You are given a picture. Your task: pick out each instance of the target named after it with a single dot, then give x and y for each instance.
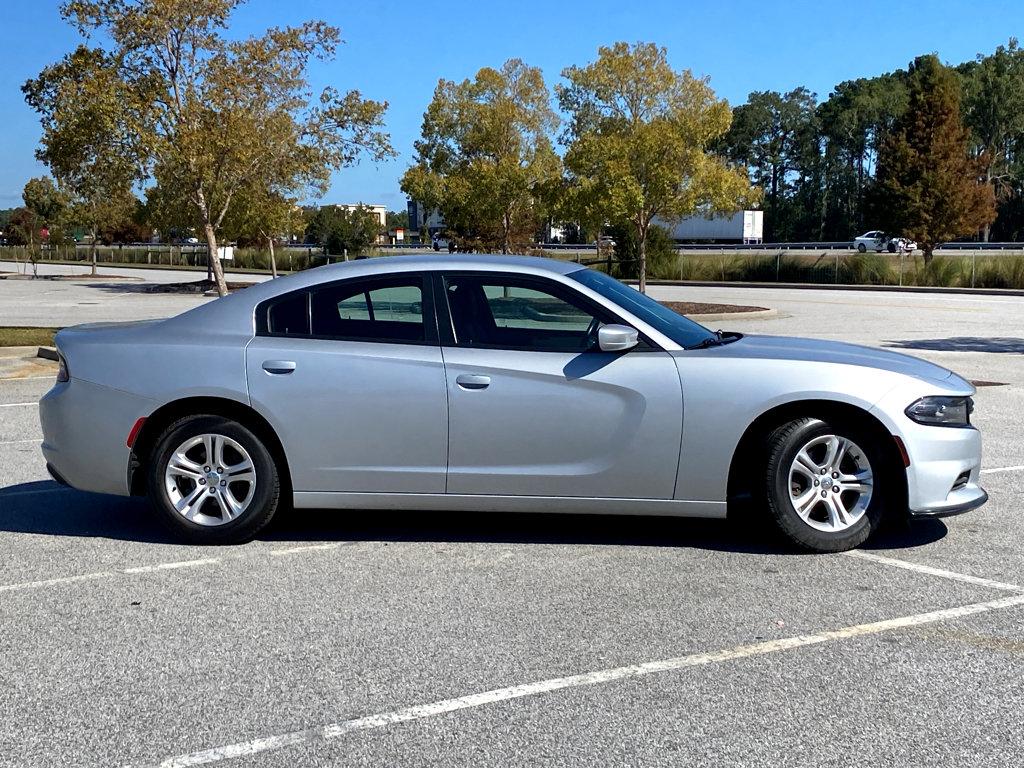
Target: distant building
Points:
(381, 212)
(420, 217)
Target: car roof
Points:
(235, 312)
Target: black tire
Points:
(861, 247)
(265, 498)
(782, 446)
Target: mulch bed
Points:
(709, 308)
(193, 287)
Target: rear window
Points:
(289, 316)
(382, 310)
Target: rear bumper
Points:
(84, 431)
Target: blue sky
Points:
(396, 51)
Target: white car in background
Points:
(876, 240)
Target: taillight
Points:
(63, 375)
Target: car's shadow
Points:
(43, 507)
(999, 344)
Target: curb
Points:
(751, 315)
(840, 287)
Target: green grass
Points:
(26, 336)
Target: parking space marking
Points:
(932, 571)
(417, 712)
(12, 405)
(172, 565)
(26, 440)
(1010, 469)
(24, 378)
(306, 548)
(55, 581)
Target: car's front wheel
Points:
(212, 481)
(826, 483)
(861, 247)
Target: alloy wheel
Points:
(210, 479)
(830, 483)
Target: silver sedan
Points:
(498, 384)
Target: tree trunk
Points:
(92, 252)
(213, 263)
(273, 261)
(506, 226)
(642, 243)
(929, 251)
(218, 269)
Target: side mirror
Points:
(616, 338)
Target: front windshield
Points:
(680, 330)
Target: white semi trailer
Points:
(741, 227)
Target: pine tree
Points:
(928, 187)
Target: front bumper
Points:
(974, 500)
(944, 473)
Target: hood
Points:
(823, 351)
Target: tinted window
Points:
(289, 316)
(680, 330)
(516, 314)
(376, 310)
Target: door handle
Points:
(279, 366)
(472, 381)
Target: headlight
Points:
(942, 410)
(62, 370)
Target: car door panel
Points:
(355, 416)
(563, 424)
(558, 421)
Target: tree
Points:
(485, 152)
(928, 186)
(994, 112)
(209, 115)
(85, 111)
(397, 219)
(775, 137)
(344, 231)
(264, 216)
(852, 121)
(639, 135)
(42, 198)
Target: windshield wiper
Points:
(720, 337)
(711, 341)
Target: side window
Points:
(519, 314)
(289, 316)
(383, 310)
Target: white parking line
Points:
(56, 581)
(1010, 469)
(12, 405)
(24, 378)
(305, 548)
(26, 440)
(931, 571)
(173, 565)
(416, 712)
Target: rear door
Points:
(350, 376)
(536, 410)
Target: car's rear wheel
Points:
(212, 481)
(826, 483)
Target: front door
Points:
(535, 409)
(351, 378)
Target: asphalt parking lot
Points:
(422, 639)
